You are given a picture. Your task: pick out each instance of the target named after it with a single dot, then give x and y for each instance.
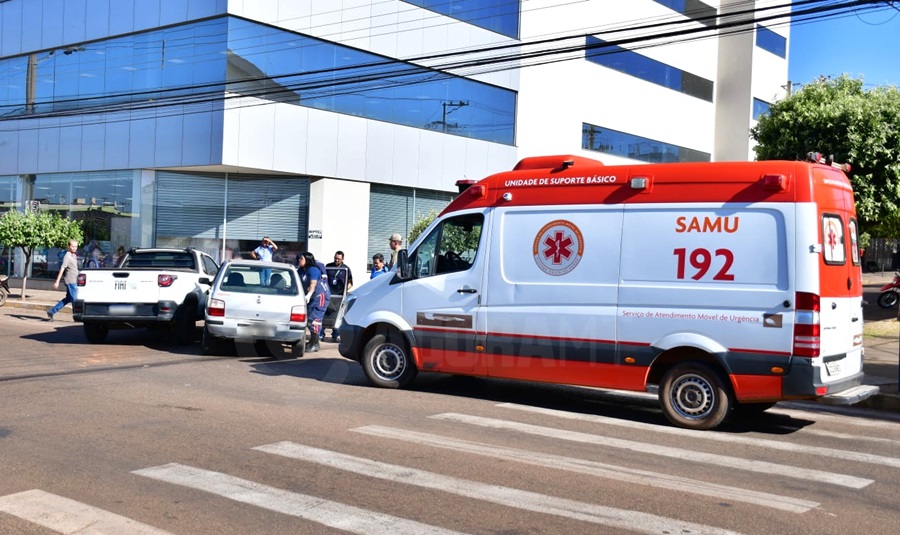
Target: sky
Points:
(863, 45)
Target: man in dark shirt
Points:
(340, 279)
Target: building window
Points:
(650, 70)
(610, 141)
(201, 61)
(500, 16)
(759, 107)
(693, 9)
(770, 41)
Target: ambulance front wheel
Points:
(694, 396)
(388, 362)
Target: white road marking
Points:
(530, 501)
(749, 465)
(69, 517)
(593, 468)
(844, 455)
(845, 436)
(332, 514)
(839, 413)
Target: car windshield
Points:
(260, 280)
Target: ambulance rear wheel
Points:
(694, 396)
(388, 362)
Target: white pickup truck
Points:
(150, 288)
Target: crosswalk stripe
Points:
(838, 413)
(713, 435)
(326, 512)
(750, 465)
(846, 436)
(69, 517)
(593, 468)
(520, 499)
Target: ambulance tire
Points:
(694, 396)
(388, 362)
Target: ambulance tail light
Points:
(807, 338)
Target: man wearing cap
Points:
(396, 242)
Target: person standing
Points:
(378, 266)
(340, 280)
(396, 243)
(68, 272)
(264, 253)
(317, 296)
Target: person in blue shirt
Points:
(315, 286)
(264, 252)
(378, 266)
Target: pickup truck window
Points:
(160, 260)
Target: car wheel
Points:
(299, 349)
(211, 345)
(185, 324)
(96, 332)
(387, 361)
(694, 396)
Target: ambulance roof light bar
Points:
(818, 157)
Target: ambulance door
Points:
(441, 301)
(550, 311)
(840, 277)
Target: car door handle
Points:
(854, 319)
(467, 290)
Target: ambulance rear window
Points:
(854, 242)
(833, 247)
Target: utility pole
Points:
(455, 105)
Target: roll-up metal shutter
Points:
(395, 209)
(193, 205)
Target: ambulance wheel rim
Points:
(389, 361)
(692, 396)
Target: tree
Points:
(839, 117)
(422, 222)
(34, 230)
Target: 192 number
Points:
(702, 260)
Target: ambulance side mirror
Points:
(404, 270)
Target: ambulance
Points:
(723, 287)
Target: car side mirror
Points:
(404, 270)
(205, 280)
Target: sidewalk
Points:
(881, 363)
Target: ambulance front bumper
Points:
(350, 345)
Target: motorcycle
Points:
(890, 293)
(4, 289)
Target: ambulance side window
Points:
(833, 248)
(451, 246)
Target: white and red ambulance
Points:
(724, 286)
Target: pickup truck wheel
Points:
(185, 324)
(694, 396)
(387, 361)
(96, 332)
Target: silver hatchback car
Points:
(252, 301)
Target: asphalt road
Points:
(139, 436)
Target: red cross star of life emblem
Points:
(558, 247)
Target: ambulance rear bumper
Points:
(849, 396)
(804, 381)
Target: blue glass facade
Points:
(610, 141)
(500, 16)
(759, 107)
(770, 41)
(694, 9)
(200, 61)
(647, 69)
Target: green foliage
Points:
(35, 230)
(422, 222)
(838, 116)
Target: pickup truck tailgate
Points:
(120, 287)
